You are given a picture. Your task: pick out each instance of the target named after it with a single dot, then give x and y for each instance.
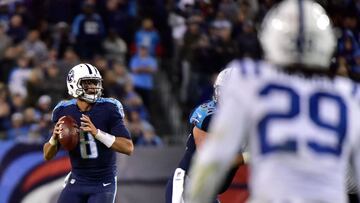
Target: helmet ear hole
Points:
(72, 87)
(79, 92)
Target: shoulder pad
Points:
(201, 112)
(61, 104)
(117, 103)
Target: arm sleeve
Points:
(55, 116)
(212, 162)
(117, 126)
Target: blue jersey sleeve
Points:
(202, 115)
(117, 126)
(56, 112)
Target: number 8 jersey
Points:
(92, 161)
(301, 132)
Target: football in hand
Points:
(69, 137)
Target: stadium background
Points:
(186, 42)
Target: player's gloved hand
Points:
(87, 125)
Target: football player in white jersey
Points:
(301, 123)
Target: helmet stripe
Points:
(90, 71)
(301, 37)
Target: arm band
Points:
(52, 141)
(105, 138)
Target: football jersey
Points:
(91, 160)
(300, 130)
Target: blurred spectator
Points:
(61, 38)
(356, 67)
(248, 42)
(8, 63)
(249, 9)
(178, 25)
(31, 122)
(18, 131)
(133, 102)
(143, 66)
(115, 81)
(88, 31)
(147, 36)
(45, 31)
(148, 137)
(35, 85)
(229, 8)
(347, 45)
(17, 30)
(342, 67)
(61, 10)
(40, 131)
(44, 104)
(19, 76)
(5, 41)
(101, 63)
(17, 102)
(191, 38)
(34, 47)
(115, 48)
(135, 126)
(4, 15)
(4, 111)
(21, 10)
(224, 46)
(53, 83)
(69, 60)
(117, 18)
(30, 116)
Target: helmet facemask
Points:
(89, 89)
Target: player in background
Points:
(199, 120)
(102, 133)
(301, 122)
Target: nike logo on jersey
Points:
(106, 184)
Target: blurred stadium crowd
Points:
(130, 42)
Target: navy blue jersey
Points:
(200, 118)
(91, 160)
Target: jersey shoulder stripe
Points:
(64, 103)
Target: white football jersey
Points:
(300, 133)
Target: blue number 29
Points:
(290, 145)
